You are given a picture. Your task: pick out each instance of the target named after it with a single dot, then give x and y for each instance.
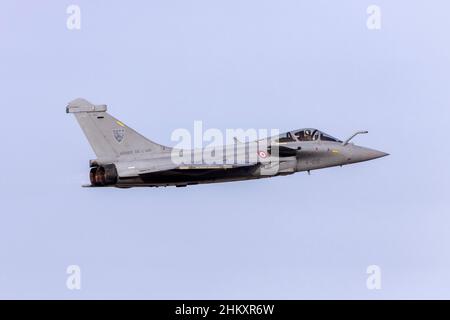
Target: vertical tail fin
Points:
(109, 137)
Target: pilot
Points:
(307, 135)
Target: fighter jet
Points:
(127, 159)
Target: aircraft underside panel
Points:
(178, 177)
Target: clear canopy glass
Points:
(307, 134)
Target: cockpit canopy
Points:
(308, 134)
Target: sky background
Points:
(161, 65)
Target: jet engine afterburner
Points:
(104, 175)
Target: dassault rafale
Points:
(127, 159)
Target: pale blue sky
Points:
(160, 65)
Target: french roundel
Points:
(262, 154)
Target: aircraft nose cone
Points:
(375, 154)
(364, 154)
